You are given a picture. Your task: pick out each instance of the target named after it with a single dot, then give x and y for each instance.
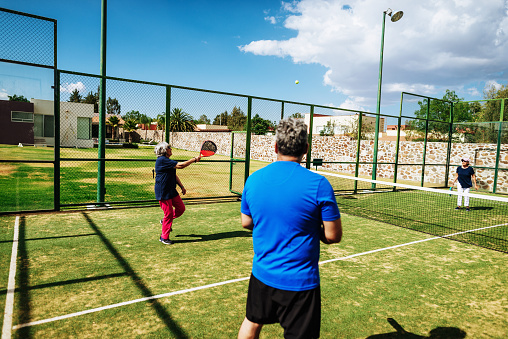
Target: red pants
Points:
(170, 214)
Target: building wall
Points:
(69, 113)
(13, 133)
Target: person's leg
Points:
(249, 330)
(459, 197)
(167, 208)
(179, 206)
(466, 198)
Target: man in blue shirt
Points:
(285, 206)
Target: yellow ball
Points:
(297, 82)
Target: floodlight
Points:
(397, 16)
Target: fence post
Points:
(498, 152)
(101, 147)
(425, 140)
(397, 145)
(449, 151)
(309, 137)
(168, 113)
(248, 138)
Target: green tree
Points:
(145, 120)
(132, 115)
(113, 121)
(130, 126)
(92, 98)
(112, 106)
(75, 96)
(297, 116)
(17, 98)
(237, 119)
(439, 116)
(261, 126)
(221, 119)
(203, 119)
(179, 121)
(492, 109)
(328, 129)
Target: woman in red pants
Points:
(165, 187)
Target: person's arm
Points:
(179, 183)
(247, 222)
(331, 232)
(184, 164)
(456, 177)
(473, 178)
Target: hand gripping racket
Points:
(208, 148)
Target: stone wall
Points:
(344, 149)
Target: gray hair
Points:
(291, 137)
(161, 148)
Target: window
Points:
(44, 126)
(84, 128)
(22, 116)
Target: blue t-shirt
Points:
(287, 204)
(465, 176)
(165, 178)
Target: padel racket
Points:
(208, 148)
(451, 189)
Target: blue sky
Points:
(261, 47)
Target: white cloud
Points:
(437, 44)
(3, 94)
(473, 91)
(69, 88)
(492, 83)
(271, 19)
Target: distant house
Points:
(109, 128)
(16, 122)
(34, 123)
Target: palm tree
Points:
(130, 126)
(145, 120)
(161, 124)
(179, 121)
(113, 121)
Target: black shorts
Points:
(299, 313)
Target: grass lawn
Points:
(71, 262)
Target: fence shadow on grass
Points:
(175, 330)
(24, 300)
(437, 333)
(210, 237)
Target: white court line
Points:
(93, 310)
(11, 285)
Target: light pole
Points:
(394, 18)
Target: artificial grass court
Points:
(77, 261)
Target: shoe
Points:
(161, 221)
(467, 209)
(166, 241)
(457, 208)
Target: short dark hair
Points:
(291, 137)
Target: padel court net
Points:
(427, 210)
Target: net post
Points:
(282, 110)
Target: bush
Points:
(128, 145)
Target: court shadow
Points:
(437, 333)
(480, 208)
(210, 237)
(172, 326)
